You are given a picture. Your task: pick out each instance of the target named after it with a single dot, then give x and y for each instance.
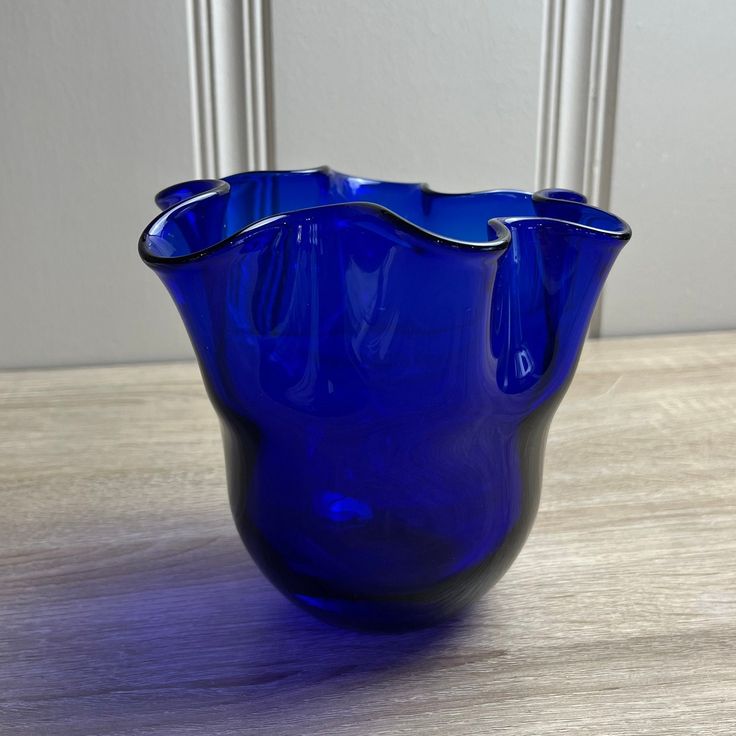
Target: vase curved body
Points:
(385, 363)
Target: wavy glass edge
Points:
(187, 196)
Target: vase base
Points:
(376, 616)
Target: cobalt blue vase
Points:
(385, 361)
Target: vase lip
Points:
(203, 189)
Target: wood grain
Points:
(128, 605)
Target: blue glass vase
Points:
(385, 361)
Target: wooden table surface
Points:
(128, 604)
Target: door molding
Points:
(230, 85)
(581, 42)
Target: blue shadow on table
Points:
(204, 639)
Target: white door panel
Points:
(673, 172)
(94, 118)
(418, 90)
(104, 102)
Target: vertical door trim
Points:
(230, 83)
(581, 42)
(200, 86)
(605, 59)
(549, 93)
(259, 80)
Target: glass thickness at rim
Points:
(414, 207)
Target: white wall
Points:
(673, 175)
(96, 116)
(416, 90)
(94, 119)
